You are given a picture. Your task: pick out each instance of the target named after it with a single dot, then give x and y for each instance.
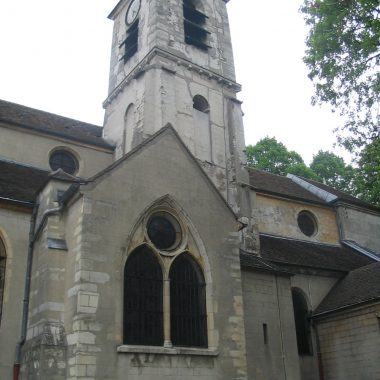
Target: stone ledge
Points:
(167, 351)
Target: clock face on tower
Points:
(132, 11)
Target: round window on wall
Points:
(164, 231)
(62, 159)
(307, 223)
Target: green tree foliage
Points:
(333, 171)
(272, 156)
(343, 57)
(302, 170)
(368, 178)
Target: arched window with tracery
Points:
(2, 275)
(188, 315)
(143, 312)
(303, 328)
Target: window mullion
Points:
(166, 307)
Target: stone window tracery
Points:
(164, 307)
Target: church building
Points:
(147, 249)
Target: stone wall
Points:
(14, 229)
(39, 148)
(360, 225)
(107, 214)
(350, 344)
(314, 287)
(279, 217)
(269, 325)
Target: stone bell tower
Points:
(172, 62)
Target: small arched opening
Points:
(302, 321)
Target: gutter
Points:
(345, 307)
(357, 248)
(16, 201)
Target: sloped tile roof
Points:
(341, 196)
(278, 185)
(249, 260)
(20, 183)
(51, 124)
(358, 286)
(312, 255)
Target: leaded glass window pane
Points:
(187, 303)
(143, 315)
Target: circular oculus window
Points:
(164, 231)
(62, 159)
(307, 223)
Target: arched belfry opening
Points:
(2, 275)
(167, 295)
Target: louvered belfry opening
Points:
(2, 275)
(187, 303)
(131, 41)
(143, 311)
(194, 25)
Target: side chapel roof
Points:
(20, 183)
(278, 185)
(340, 195)
(291, 252)
(359, 286)
(302, 189)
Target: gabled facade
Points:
(146, 249)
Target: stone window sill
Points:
(167, 351)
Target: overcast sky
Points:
(55, 57)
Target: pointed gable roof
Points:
(167, 130)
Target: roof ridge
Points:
(45, 112)
(300, 240)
